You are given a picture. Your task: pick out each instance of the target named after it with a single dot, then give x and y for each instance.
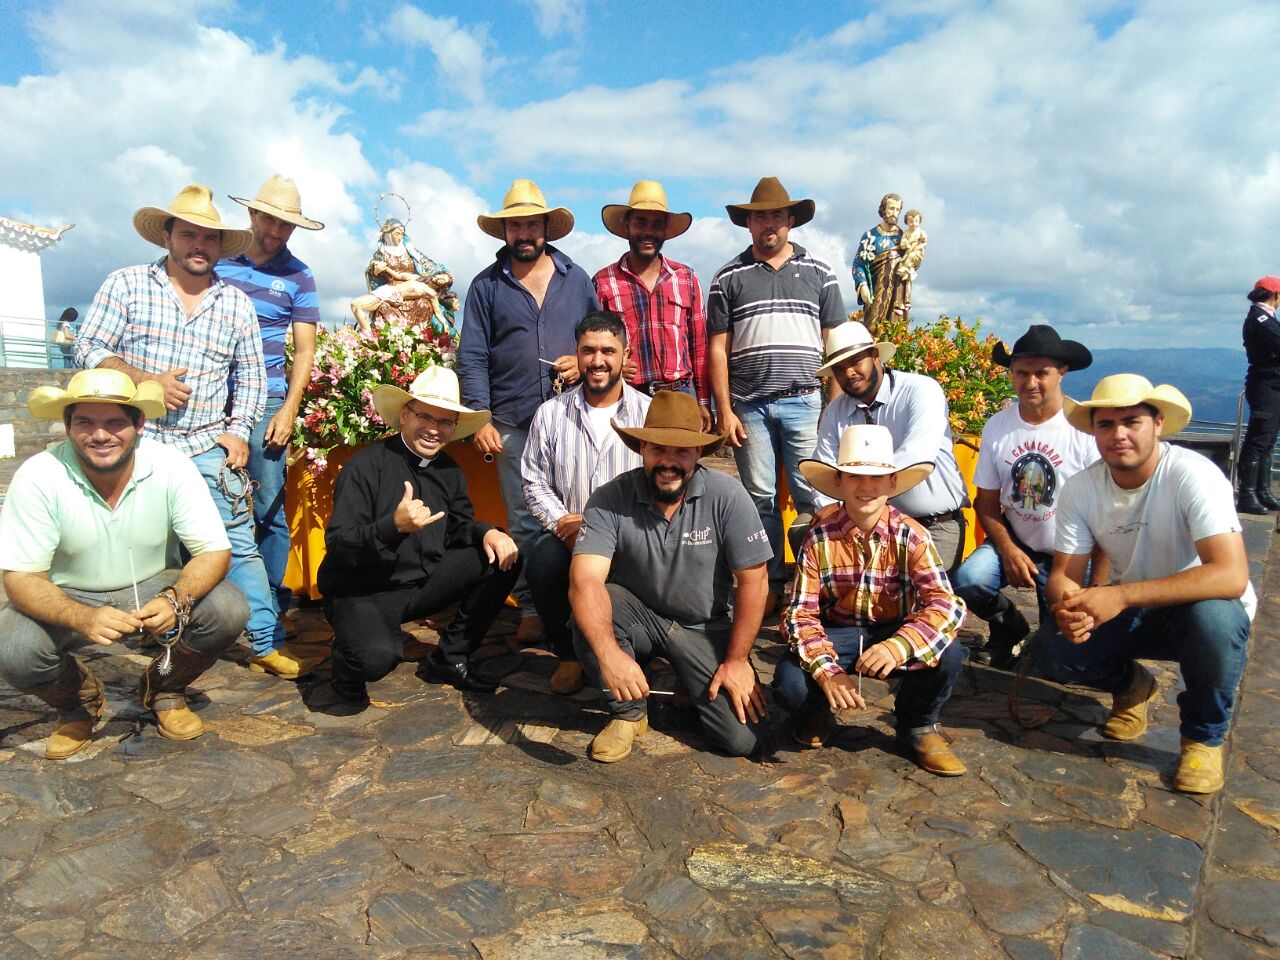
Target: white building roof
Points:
(26, 236)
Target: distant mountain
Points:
(1211, 377)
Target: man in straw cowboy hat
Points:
(1179, 588)
(660, 300)
(284, 297)
(766, 312)
(403, 542)
(914, 409)
(1028, 452)
(571, 453)
(84, 544)
(177, 323)
(670, 562)
(517, 346)
(871, 597)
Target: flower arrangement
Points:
(337, 405)
(952, 352)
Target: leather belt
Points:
(932, 519)
(783, 394)
(653, 386)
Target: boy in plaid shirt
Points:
(871, 597)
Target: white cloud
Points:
(555, 17)
(462, 54)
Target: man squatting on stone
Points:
(82, 518)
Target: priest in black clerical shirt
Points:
(403, 543)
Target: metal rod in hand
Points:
(137, 602)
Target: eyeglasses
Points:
(427, 420)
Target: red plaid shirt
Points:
(666, 327)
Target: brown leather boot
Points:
(78, 697)
(166, 695)
(1128, 719)
(932, 751)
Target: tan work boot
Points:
(1128, 719)
(285, 664)
(174, 718)
(813, 728)
(529, 631)
(80, 687)
(614, 741)
(567, 679)
(933, 753)
(1199, 768)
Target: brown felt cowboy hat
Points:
(1130, 390)
(279, 197)
(646, 195)
(194, 204)
(524, 199)
(97, 385)
(673, 420)
(770, 194)
(436, 387)
(1041, 340)
(866, 450)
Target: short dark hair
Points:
(168, 225)
(1145, 406)
(1258, 294)
(606, 320)
(134, 413)
(885, 199)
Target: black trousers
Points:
(367, 644)
(1264, 418)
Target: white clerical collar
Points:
(422, 461)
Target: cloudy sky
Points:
(1112, 168)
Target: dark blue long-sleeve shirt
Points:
(504, 334)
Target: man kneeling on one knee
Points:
(871, 597)
(403, 543)
(653, 574)
(1180, 587)
(84, 541)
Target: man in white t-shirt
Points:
(572, 450)
(1028, 452)
(1165, 517)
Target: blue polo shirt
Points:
(283, 292)
(504, 334)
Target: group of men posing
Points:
(619, 541)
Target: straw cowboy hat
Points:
(1129, 390)
(866, 450)
(770, 194)
(280, 198)
(1041, 340)
(524, 199)
(194, 204)
(645, 195)
(673, 420)
(437, 387)
(849, 339)
(98, 385)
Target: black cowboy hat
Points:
(1041, 340)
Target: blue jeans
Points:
(980, 579)
(522, 525)
(788, 429)
(267, 469)
(1207, 640)
(264, 630)
(921, 693)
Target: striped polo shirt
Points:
(283, 292)
(775, 319)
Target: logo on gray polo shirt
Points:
(696, 538)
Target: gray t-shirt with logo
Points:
(680, 568)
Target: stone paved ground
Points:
(440, 825)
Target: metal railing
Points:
(18, 351)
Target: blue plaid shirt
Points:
(137, 317)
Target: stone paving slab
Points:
(434, 824)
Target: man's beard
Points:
(665, 496)
(524, 254)
(612, 382)
(634, 244)
(120, 463)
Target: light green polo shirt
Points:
(53, 520)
